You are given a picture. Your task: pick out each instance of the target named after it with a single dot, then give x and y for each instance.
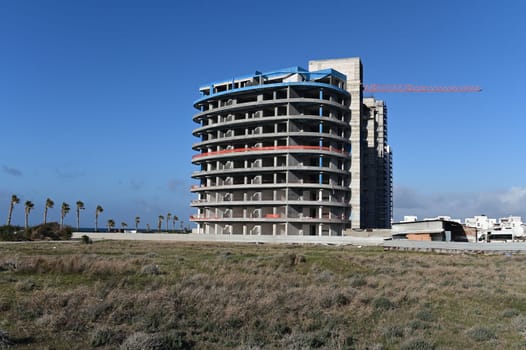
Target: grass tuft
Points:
(151, 269)
(157, 341)
(26, 285)
(425, 315)
(104, 336)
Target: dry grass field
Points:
(144, 295)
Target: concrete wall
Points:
(290, 239)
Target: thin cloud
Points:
(408, 201)
(11, 171)
(407, 198)
(66, 174)
(136, 185)
(175, 185)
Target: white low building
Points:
(410, 218)
(480, 222)
(510, 222)
(505, 228)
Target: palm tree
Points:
(137, 221)
(175, 218)
(49, 204)
(80, 206)
(98, 210)
(28, 206)
(168, 219)
(64, 209)
(110, 224)
(159, 223)
(123, 225)
(14, 200)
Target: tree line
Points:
(79, 205)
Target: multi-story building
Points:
(276, 155)
(376, 170)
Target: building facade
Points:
(276, 154)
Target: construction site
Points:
(295, 152)
(292, 152)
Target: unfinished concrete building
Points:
(275, 156)
(376, 167)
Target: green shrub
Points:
(510, 313)
(481, 334)
(319, 339)
(85, 239)
(425, 315)
(382, 303)
(281, 329)
(358, 282)
(417, 344)
(105, 336)
(418, 324)
(342, 299)
(393, 332)
(5, 341)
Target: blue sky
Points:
(96, 96)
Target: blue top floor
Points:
(287, 75)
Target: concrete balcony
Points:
(270, 185)
(310, 169)
(275, 203)
(276, 119)
(267, 103)
(237, 152)
(280, 219)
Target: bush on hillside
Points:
(50, 231)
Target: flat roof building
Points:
(278, 154)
